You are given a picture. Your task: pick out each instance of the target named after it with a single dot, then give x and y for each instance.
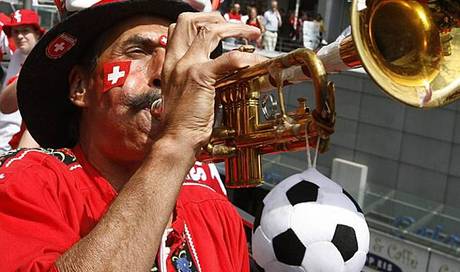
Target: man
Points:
(272, 23)
(234, 15)
(109, 204)
(24, 29)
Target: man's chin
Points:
(24, 50)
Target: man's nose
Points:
(156, 66)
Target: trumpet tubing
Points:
(241, 135)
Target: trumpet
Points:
(410, 49)
(414, 58)
(239, 136)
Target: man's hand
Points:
(189, 74)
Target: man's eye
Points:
(136, 50)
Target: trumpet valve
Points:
(220, 150)
(221, 133)
(301, 106)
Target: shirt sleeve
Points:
(236, 241)
(34, 228)
(216, 229)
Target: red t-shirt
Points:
(50, 199)
(234, 16)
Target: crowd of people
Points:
(305, 29)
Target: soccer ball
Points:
(308, 223)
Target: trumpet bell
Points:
(406, 52)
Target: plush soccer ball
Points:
(310, 224)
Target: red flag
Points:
(115, 74)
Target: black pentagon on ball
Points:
(258, 215)
(358, 208)
(345, 241)
(302, 192)
(288, 248)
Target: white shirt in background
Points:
(10, 123)
(272, 20)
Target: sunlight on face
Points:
(25, 37)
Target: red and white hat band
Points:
(76, 5)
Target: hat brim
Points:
(7, 28)
(43, 86)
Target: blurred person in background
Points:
(257, 21)
(234, 15)
(6, 44)
(272, 24)
(311, 32)
(24, 29)
(322, 28)
(295, 26)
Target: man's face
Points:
(25, 37)
(119, 120)
(274, 5)
(237, 8)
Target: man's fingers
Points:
(168, 68)
(209, 36)
(232, 61)
(184, 33)
(171, 29)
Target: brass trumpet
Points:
(240, 138)
(411, 50)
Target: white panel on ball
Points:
(313, 222)
(313, 175)
(271, 228)
(323, 257)
(334, 199)
(356, 263)
(265, 253)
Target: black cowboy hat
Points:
(43, 86)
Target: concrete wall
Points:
(336, 16)
(406, 149)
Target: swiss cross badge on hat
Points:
(60, 45)
(115, 74)
(17, 17)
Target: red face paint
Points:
(115, 74)
(163, 40)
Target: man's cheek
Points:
(115, 74)
(137, 79)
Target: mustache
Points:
(144, 100)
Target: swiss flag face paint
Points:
(163, 40)
(115, 74)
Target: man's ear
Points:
(78, 89)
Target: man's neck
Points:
(117, 173)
